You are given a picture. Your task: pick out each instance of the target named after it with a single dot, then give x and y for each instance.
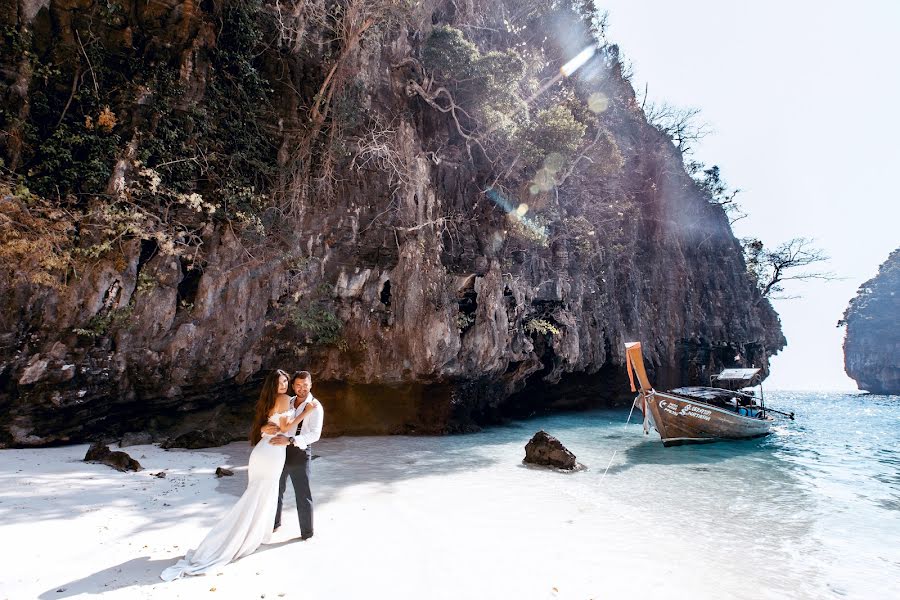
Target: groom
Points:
(298, 454)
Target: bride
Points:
(249, 522)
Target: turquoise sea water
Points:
(813, 510)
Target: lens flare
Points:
(577, 62)
(545, 179)
(554, 162)
(516, 216)
(497, 240)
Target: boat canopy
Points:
(737, 375)
(706, 394)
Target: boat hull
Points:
(683, 421)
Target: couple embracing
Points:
(283, 429)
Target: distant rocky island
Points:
(872, 343)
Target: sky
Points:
(801, 98)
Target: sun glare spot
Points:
(598, 102)
(497, 240)
(554, 162)
(545, 179)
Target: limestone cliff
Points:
(872, 342)
(417, 202)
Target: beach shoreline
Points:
(396, 517)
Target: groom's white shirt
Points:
(311, 430)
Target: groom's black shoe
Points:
(306, 536)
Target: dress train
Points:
(249, 522)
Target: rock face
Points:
(230, 189)
(135, 438)
(872, 342)
(545, 450)
(118, 460)
(207, 438)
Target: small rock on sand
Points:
(545, 450)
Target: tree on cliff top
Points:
(772, 268)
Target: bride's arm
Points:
(285, 425)
(270, 427)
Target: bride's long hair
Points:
(265, 404)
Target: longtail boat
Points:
(700, 414)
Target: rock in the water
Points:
(207, 438)
(223, 472)
(872, 344)
(118, 460)
(546, 450)
(136, 438)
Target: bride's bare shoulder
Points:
(282, 403)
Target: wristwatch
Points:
(291, 440)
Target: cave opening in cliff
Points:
(187, 287)
(149, 249)
(606, 388)
(468, 304)
(6, 381)
(386, 293)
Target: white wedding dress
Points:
(249, 522)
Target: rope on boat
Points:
(611, 458)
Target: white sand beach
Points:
(396, 517)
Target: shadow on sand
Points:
(137, 572)
(380, 461)
(339, 463)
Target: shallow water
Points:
(813, 510)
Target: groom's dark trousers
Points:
(296, 465)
